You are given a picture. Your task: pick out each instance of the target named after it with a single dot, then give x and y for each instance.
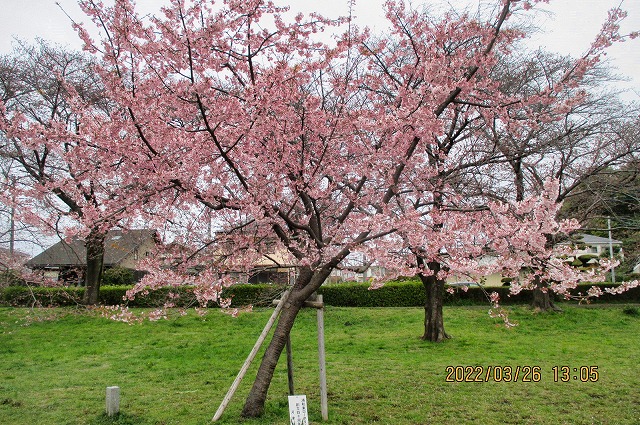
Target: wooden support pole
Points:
(317, 303)
(292, 390)
(308, 303)
(324, 409)
(252, 355)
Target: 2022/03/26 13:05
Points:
(582, 373)
(519, 373)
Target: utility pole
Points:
(613, 269)
(12, 219)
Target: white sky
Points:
(569, 30)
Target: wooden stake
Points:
(292, 390)
(324, 409)
(252, 355)
(308, 303)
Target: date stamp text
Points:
(521, 373)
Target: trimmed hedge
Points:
(393, 294)
(34, 296)
(411, 294)
(241, 295)
(118, 276)
(630, 296)
(408, 293)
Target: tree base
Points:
(439, 337)
(542, 301)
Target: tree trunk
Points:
(542, 299)
(95, 265)
(516, 164)
(306, 283)
(433, 316)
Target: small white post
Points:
(113, 401)
(324, 409)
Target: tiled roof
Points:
(596, 240)
(117, 246)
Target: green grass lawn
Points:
(56, 364)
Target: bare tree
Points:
(581, 135)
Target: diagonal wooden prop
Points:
(252, 355)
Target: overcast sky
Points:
(568, 30)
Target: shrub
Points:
(113, 295)
(584, 259)
(394, 294)
(30, 296)
(182, 296)
(630, 296)
(631, 311)
(11, 278)
(259, 295)
(118, 276)
(408, 293)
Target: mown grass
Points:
(56, 364)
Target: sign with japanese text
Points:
(298, 410)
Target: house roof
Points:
(118, 245)
(596, 240)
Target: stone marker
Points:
(113, 401)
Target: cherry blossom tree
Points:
(425, 193)
(50, 123)
(289, 144)
(450, 234)
(269, 128)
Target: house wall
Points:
(144, 250)
(279, 276)
(351, 276)
(598, 248)
(70, 276)
(593, 249)
(52, 274)
(494, 279)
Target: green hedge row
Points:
(411, 294)
(29, 296)
(393, 294)
(241, 295)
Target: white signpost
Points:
(298, 410)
